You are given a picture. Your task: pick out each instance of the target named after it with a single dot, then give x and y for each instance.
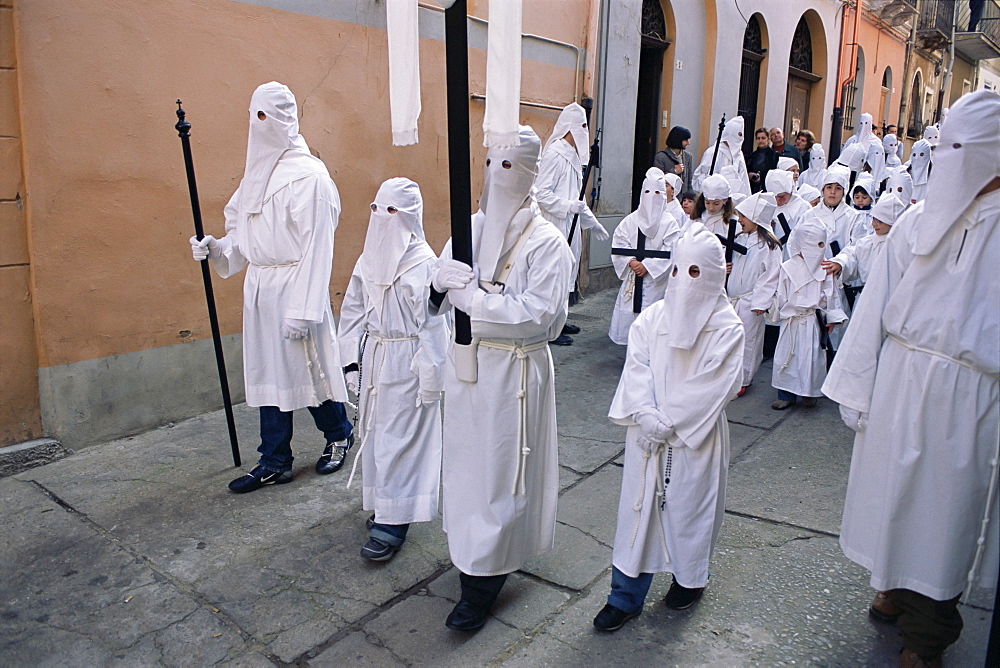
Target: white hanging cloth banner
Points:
(503, 75)
(404, 69)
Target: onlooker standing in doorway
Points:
(804, 141)
(780, 147)
(761, 160)
(675, 159)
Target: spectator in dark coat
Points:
(781, 147)
(761, 160)
(674, 158)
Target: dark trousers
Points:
(928, 626)
(787, 396)
(481, 591)
(276, 432)
(390, 534)
(627, 593)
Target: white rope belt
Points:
(733, 300)
(366, 408)
(521, 353)
(274, 266)
(936, 353)
(657, 499)
(791, 347)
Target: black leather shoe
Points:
(682, 598)
(377, 550)
(334, 456)
(611, 618)
(466, 617)
(562, 340)
(570, 329)
(259, 477)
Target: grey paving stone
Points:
(414, 631)
(359, 650)
(574, 562)
(592, 506)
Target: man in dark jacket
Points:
(674, 158)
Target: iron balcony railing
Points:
(936, 15)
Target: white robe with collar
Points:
(691, 388)
(558, 184)
(401, 456)
(844, 226)
(654, 283)
(857, 259)
(799, 362)
(493, 528)
(729, 164)
(753, 284)
(288, 249)
(922, 360)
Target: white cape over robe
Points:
(922, 359)
(691, 388)
(493, 528)
(404, 352)
(654, 283)
(753, 284)
(289, 250)
(557, 186)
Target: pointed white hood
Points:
(690, 301)
(505, 199)
(967, 158)
(572, 119)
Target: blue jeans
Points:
(276, 432)
(628, 593)
(787, 396)
(390, 534)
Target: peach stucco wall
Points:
(109, 215)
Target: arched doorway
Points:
(885, 97)
(754, 49)
(915, 124)
(803, 64)
(657, 37)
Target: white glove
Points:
(206, 248)
(351, 378)
(652, 427)
(451, 275)
(462, 297)
(856, 420)
(647, 445)
(599, 232)
(577, 206)
(294, 328)
(427, 397)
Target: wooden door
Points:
(796, 106)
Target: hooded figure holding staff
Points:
(500, 468)
(279, 226)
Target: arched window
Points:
(915, 126)
(853, 93)
(654, 24)
(886, 97)
(753, 55)
(801, 57)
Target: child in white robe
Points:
(661, 231)
(753, 280)
(386, 328)
(683, 366)
(674, 184)
(804, 288)
(854, 262)
(714, 207)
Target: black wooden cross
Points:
(785, 227)
(729, 243)
(640, 253)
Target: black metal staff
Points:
(456, 49)
(595, 161)
(184, 132)
(718, 140)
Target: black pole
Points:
(184, 131)
(595, 161)
(718, 140)
(456, 49)
(993, 646)
(836, 132)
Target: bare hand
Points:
(830, 326)
(831, 267)
(637, 268)
(729, 267)
(679, 168)
(759, 311)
